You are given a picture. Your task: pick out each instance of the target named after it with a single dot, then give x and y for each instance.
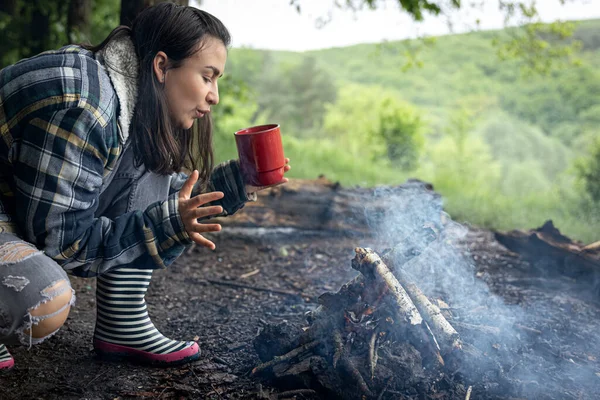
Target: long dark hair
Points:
(179, 31)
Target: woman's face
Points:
(191, 89)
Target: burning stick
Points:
(400, 254)
(468, 396)
(355, 307)
(370, 264)
(286, 357)
(432, 314)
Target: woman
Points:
(93, 139)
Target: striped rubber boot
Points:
(123, 327)
(6, 360)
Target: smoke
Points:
(517, 359)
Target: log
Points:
(559, 253)
(369, 263)
(322, 205)
(444, 332)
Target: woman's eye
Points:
(207, 80)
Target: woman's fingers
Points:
(202, 241)
(202, 212)
(188, 186)
(203, 228)
(205, 198)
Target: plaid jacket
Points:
(64, 119)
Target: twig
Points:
(96, 377)
(291, 393)
(220, 360)
(287, 356)
(436, 350)
(435, 342)
(391, 378)
(339, 347)
(258, 288)
(468, 396)
(161, 393)
(373, 353)
(212, 385)
(349, 366)
(249, 274)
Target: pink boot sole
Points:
(5, 366)
(115, 351)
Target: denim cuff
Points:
(227, 178)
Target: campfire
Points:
(378, 334)
(421, 318)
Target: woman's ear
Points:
(159, 65)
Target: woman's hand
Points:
(286, 168)
(190, 210)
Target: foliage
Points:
(538, 46)
(23, 31)
(104, 19)
(236, 110)
(513, 142)
(533, 44)
(463, 66)
(497, 144)
(588, 169)
(498, 139)
(372, 122)
(297, 93)
(313, 157)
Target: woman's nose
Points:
(213, 97)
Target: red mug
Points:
(261, 154)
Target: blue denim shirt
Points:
(60, 138)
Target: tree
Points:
(588, 169)
(401, 128)
(540, 46)
(28, 27)
(78, 20)
(370, 122)
(131, 8)
(297, 93)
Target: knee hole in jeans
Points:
(47, 317)
(16, 251)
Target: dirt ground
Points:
(191, 300)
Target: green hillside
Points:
(505, 146)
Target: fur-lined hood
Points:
(122, 66)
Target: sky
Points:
(275, 25)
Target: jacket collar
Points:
(121, 63)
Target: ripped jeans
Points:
(27, 276)
(28, 279)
